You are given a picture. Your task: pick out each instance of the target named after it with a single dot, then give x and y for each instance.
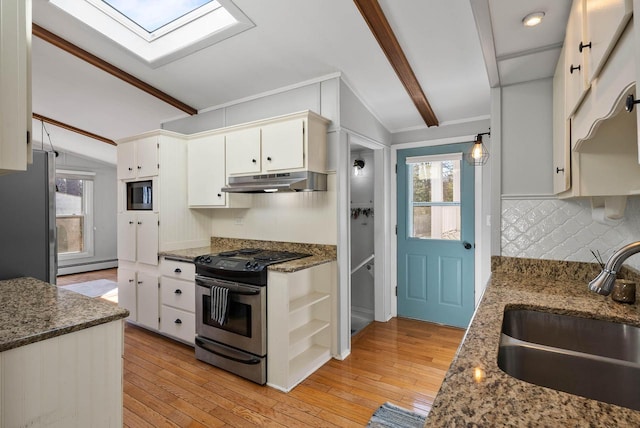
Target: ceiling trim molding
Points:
(73, 129)
(529, 52)
(379, 26)
(69, 47)
(482, 16)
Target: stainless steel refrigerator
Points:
(28, 221)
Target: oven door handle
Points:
(231, 289)
(211, 347)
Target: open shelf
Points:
(307, 362)
(307, 301)
(307, 330)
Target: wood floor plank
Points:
(401, 361)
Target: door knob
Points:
(467, 245)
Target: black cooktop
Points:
(248, 265)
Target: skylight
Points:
(160, 31)
(153, 14)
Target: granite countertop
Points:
(476, 392)
(319, 253)
(32, 310)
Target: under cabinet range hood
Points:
(304, 181)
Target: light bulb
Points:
(533, 19)
(476, 153)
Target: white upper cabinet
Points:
(605, 21)
(283, 145)
(295, 142)
(205, 165)
(561, 136)
(15, 85)
(576, 83)
(138, 159)
(243, 151)
(138, 237)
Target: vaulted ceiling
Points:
(295, 41)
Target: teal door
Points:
(436, 235)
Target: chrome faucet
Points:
(603, 283)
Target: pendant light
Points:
(478, 155)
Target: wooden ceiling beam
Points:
(379, 26)
(69, 47)
(73, 129)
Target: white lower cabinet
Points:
(301, 324)
(138, 293)
(177, 300)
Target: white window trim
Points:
(87, 201)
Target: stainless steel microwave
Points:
(140, 195)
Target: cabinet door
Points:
(575, 64)
(127, 236)
(243, 151)
(148, 303)
(283, 145)
(147, 238)
(206, 171)
(127, 292)
(147, 157)
(126, 160)
(561, 136)
(605, 22)
(15, 81)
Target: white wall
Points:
(104, 209)
(527, 141)
(308, 217)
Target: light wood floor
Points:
(110, 274)
(401, 361)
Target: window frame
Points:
(88, 178)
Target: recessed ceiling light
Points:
(533, 19)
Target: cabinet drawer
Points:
(177, 323)
(176, 269)
(177, 293)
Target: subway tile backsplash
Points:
(565, 230)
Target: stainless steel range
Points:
(231, 309)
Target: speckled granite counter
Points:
(319, 253)
(476, 393)
(32, 310)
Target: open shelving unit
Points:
(301, 326)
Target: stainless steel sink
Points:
(591, 358)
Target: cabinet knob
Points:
(139, 282)
(131, 280)
(573, 68)
(253, 160)
(177, 270)
(582, 46)
(139, 222)
(178, 321)
(219, 195)
(559, 170)
(139, 167)
(269, 158)
(130, 222)
(178, 291)
(630, 102)
(130, 169)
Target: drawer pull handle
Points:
(177, 270)
(178, 321)
(178, 291)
